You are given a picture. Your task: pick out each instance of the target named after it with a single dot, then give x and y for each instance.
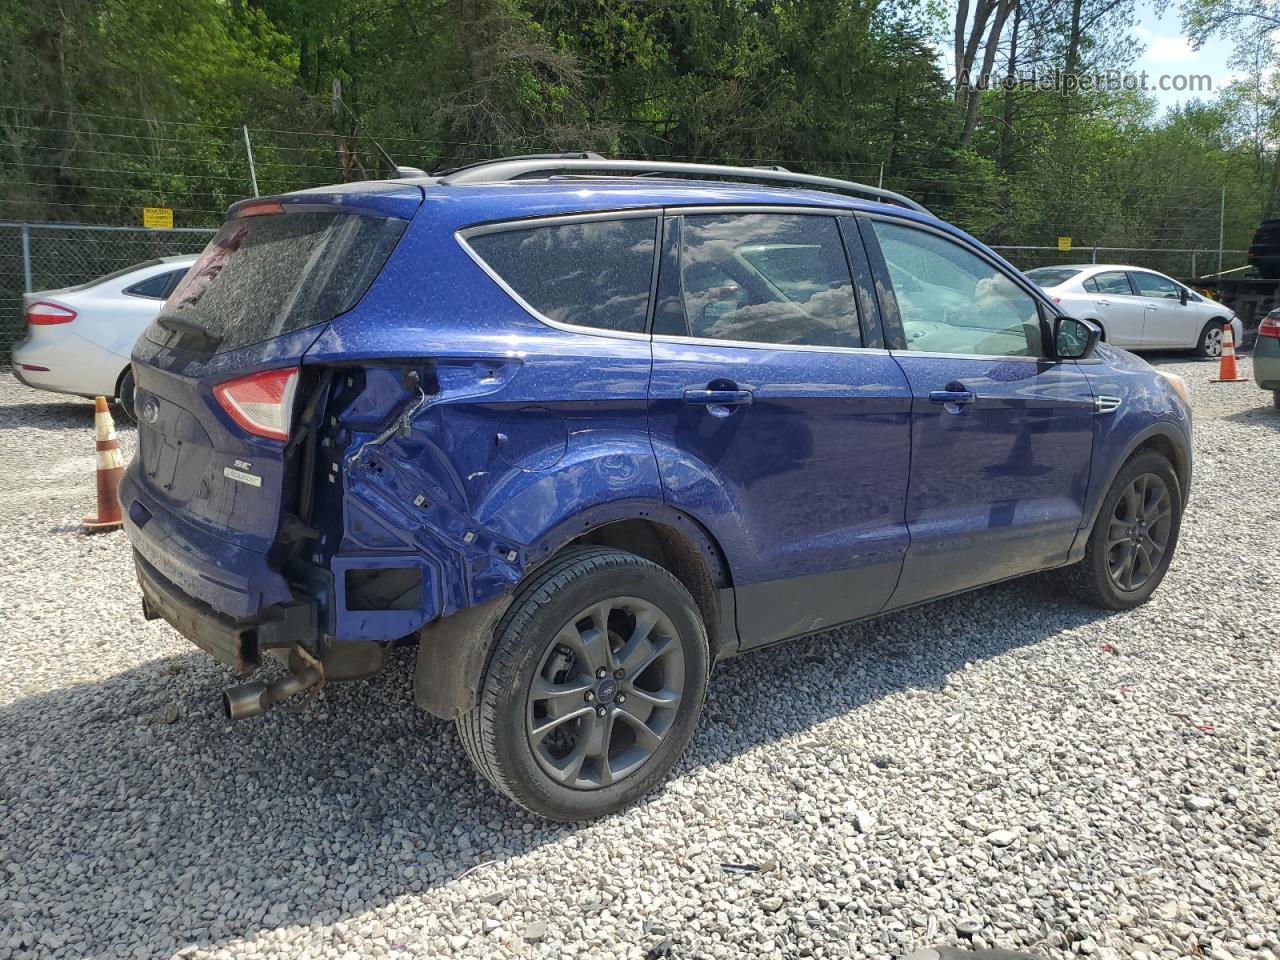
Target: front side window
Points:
(763, 278)
(953, 301)
(591, 274)
(1154, 285)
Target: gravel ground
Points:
(1006, 768)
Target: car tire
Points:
(617, 715)
(1209, 345)
(124, 396)
(1142, 511)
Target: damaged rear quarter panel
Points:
(516, 442)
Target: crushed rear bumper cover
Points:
(237, 643)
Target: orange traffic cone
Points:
(110, 469)
(1227, 372)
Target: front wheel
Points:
(1210, 342)
(1134, 537)
(595, 686)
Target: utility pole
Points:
(1222, 225)
(881, 183)
(248, 149)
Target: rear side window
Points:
(157, 287)
(1115, 282)
(591, 274)
(762, 278)
(265, 276)
(1052, 276)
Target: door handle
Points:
(717, 398)
(1152, 306)
(1104, 303)
(952, 396)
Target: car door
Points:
(1120, 310)
(1001, 435)
(778, 419)
(1169, 322)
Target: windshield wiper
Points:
(202, 338)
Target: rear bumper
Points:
(232, 581)
(232, 642)
(237, 643)
(73, 365)
(1266, 363)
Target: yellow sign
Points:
(1064, 244)
(157, 218)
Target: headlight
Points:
(1178, 384)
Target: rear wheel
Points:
(124, 395)
(1211, 337)
(1134, 537)
(596, 683)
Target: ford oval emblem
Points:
(150, 410)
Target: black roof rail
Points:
(515, 168)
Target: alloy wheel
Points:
(605, 693)
(1213, 342)
(1138, 536)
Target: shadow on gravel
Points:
(1264, 416)
(55, 415)
(134, 818)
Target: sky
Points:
(1168, 52)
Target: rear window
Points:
(264, 276)
(591, 274)
(1051, 276)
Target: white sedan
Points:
(1139, 309)
(79, 338)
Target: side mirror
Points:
(1182, 296)
(1074, 339)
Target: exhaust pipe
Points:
(254, 698)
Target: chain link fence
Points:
(46, 256)
(43, 256)
(1186, 264)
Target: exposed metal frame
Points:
(499, 171)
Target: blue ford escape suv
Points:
(579, 428)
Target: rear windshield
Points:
(1051, 276)
(264, 276)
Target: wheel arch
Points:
(124, 372)
(682, 547)
(454, 652)
(1162, 437)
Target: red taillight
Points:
(44, 314)
(1270, 327)
(261, 403)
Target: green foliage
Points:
(110, 105)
